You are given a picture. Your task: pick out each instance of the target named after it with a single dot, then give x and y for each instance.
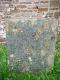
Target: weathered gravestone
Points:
(31, 43)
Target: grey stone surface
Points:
(31, 43)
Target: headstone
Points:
(31, 43)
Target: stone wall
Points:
(36, 5)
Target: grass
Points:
(51, 74)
